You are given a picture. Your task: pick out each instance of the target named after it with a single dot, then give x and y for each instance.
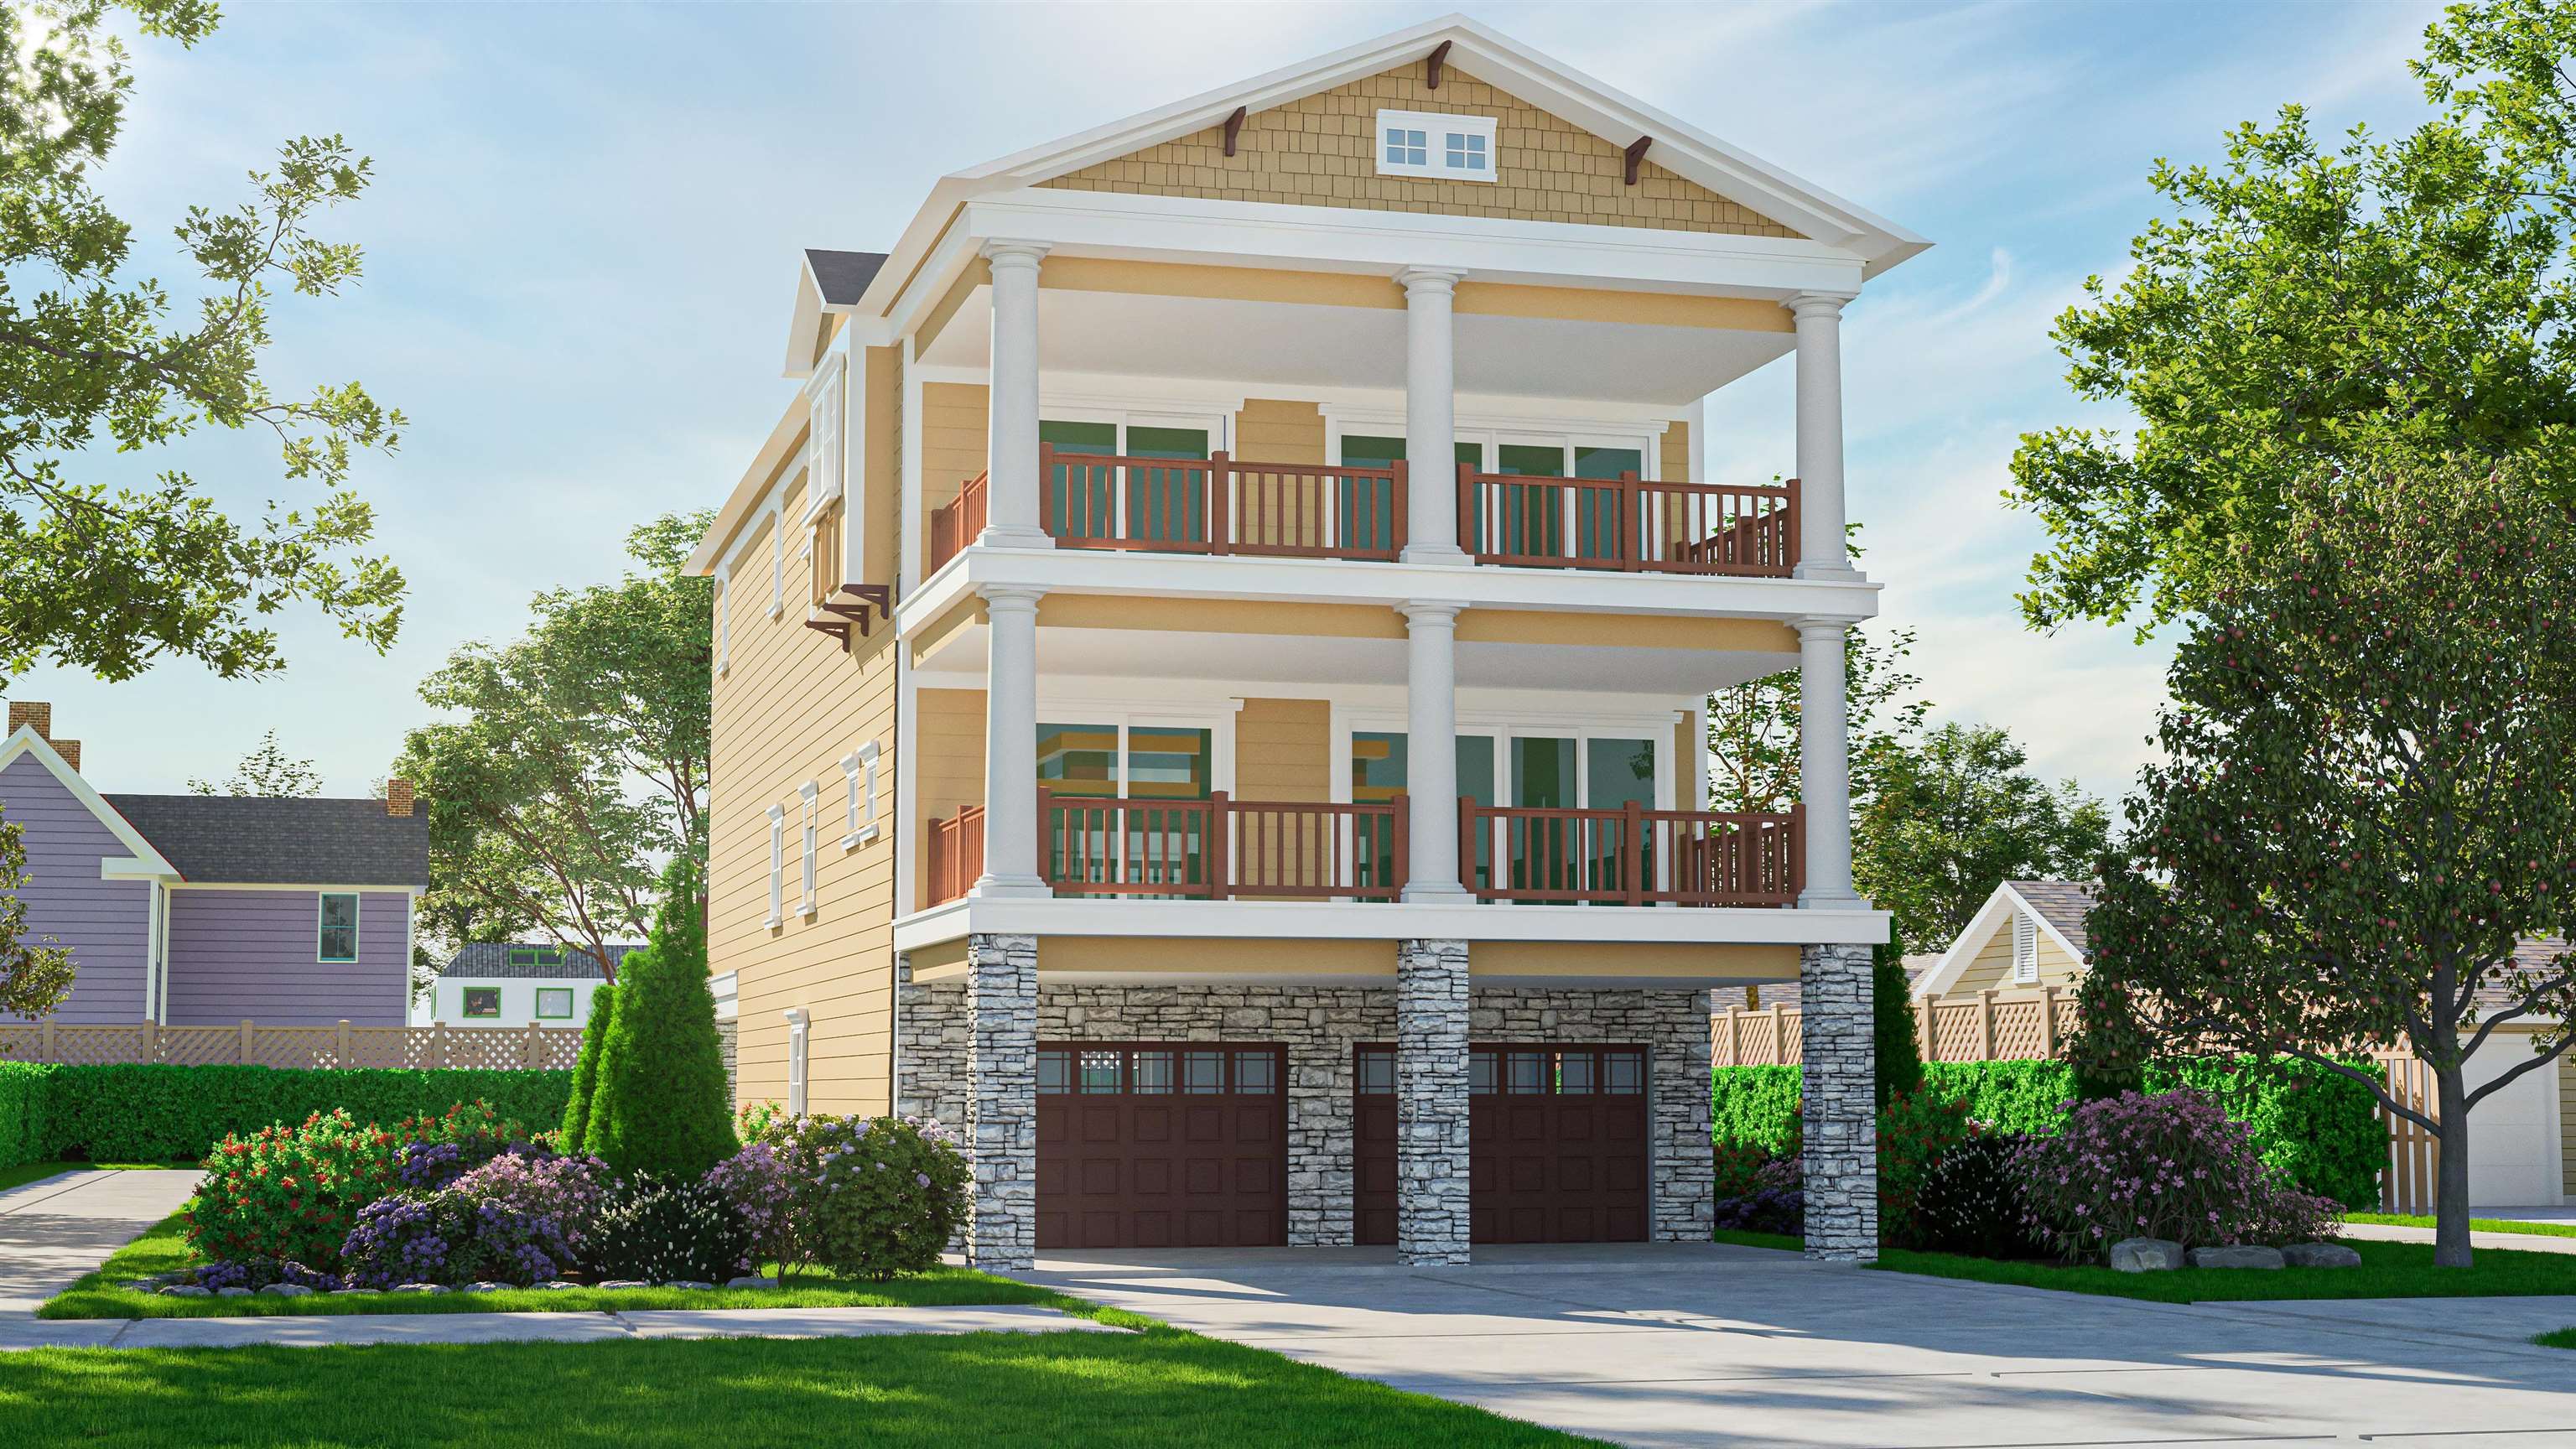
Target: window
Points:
(1055, 1072)
(1434, 146)
(1145, 505)
(808, 798)
(825, 411)
(777, 864)
(859, 810)
(482, 1001)
(2025, 960)
(523, 955)
(1377, 1071)
(554, 1003)
(338, 936)
(1154, 839)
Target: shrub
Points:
(670, 1231)
(2168, 1166)
(438, 1150)
(25, 1091)
(1755, 1105)
(865, 1197)
(585, 1069)
(1913, 1133)
(661, 1106)
(2018, 1097)
(258, 1273)
(1768, 1210)
(290, 1193)
(754, 1181)
(137, 1113)
(1970, 1202)
(1738, 1164)
(2318, 1127)
(521, 1217)
(1900, 1052)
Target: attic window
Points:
(1427, 144)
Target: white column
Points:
(1011, 516)
(1431, 750)
(1011, 744)
(1824, 766)
(1430, 418)
(1820, 435)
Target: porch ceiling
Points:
(1312, 345)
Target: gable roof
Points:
(2061, 906)
(1472, 48)
(147, 859)
(842, 277)
(490, 961)
(260, 840)
(2057, 907)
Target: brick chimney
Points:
(32, 712)
(398, 796)
(70, 751)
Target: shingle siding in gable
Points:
(236, 954)
(104, 923)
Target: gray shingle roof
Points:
(260, 840)
(2061, 903)
(490, 961)
(843, 276)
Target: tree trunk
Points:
(2451, 1172)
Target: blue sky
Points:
(581, 242)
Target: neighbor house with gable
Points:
(208, 910)
(1210, 662)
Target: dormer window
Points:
(1423, 143)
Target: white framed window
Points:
(2025, 960)
(554, 1003)
(1436, 146)
(777, 865)
(826, 402)
(724, 618)
(859, 806)
(336, 929)
(799, 1023)
(809, 799)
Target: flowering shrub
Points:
(438, 1150)
(868, 1197)
(521, 1217)
(754, 1181)
(1737, 1163)
(289, 1194)
(1914, 1130)
(674, 1231)
(258, 1273)
(1969, 1201)
(2168, 1166)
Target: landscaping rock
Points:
(2146, 1255)
(232, 1293)
(2243, 1255)
(688, 1283)
(187, 1290)
(556, 1285)
(625, 1283)
(751, 1282)
(287, 1290)
(483, 1286)
(2320, 1255)
(356, 1292)
(140, 1285)
(418, 1288)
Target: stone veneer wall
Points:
(1839, 1046)
(1320, 1025)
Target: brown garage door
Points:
(1556, 1142)
(1162, 1145)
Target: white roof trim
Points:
(1990, 918)
(147, 862)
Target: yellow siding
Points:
(1268, 431)
(1283, 750)
(948, 763)
(953, 440)
(1992, 967)
(1320, 151)
(1676, 461)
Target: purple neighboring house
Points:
(203, 910)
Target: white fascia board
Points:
(1327, 238)
(334, 888)
(1972, 939)
(147, 861)
(2041, 921)
(112, 867)
(1286, 580)
(1354, 921)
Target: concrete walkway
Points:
(1692, 1344)
(53, 1231)
(2526, 1242)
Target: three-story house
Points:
(1210, 669)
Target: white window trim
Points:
(2025, 949)
(1436, 128)
(809, 799)
(1503, 727)
(799, 1022)
(357, 941)
(1490, 435)
(777, 865)
(859, 774)
(826, 434)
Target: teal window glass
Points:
(1476, 782)
(1167, 505)
(1378, 768)
(1528, 519)
(1544, 850)
(339, 930)
(1078, 763)
(1616, 774)
(1597, 510)
(1077, 498)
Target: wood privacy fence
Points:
(1996, 1026)
(533, 1048)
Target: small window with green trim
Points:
(338, 934)
(482, 1001)
(554, 1003)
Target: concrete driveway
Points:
(1713, 1345)
(53, 1231)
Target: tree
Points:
(2367, 810)
(578, 757)
(110, 579)
(585, 1069)
(33, 979)
(660, 1105)
(1753, 727)
(1899, 1050)
(268, 771)
(1951, 818)
(2305, 306)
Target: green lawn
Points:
(2388, 1270)
(164, 1248)
(2483, 1225)
(27, 1172)
(1157, 1386)
(2563, 1338)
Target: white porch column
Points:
(1011, 744)
(1430, 418)
(1011, 508)
(1821, 551)
(1431, 749)
(1824, 765)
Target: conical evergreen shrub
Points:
(1900, 1052)
(585, 1071)
(660, 1106)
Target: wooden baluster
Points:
(1632, 856)
(1467, 528)
(1216, 870)
(1220, 508)
(1629, 495)
(1398, 505)
(1401, 848)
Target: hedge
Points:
(130, 1113)
(25, 1094)
(2318, 1126)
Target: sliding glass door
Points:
(1537, 771)
(1128, 805)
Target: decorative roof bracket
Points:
(1233, 124)
(1439, 57)
(1637, 152)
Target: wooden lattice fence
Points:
(535, 1048)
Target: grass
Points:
(164, 1248)
(1155, 1386)
(27, 1172)
(2482, 1225)
(1789, 1242)
(2563, 1338)
(2388, 1270)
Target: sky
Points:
(582, 235)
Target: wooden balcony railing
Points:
(956, 854)
(1221, 505)
(1220, 848)
(954, 524)
(1632, 856)
(1627, 525)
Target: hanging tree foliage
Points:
(2367, 809)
